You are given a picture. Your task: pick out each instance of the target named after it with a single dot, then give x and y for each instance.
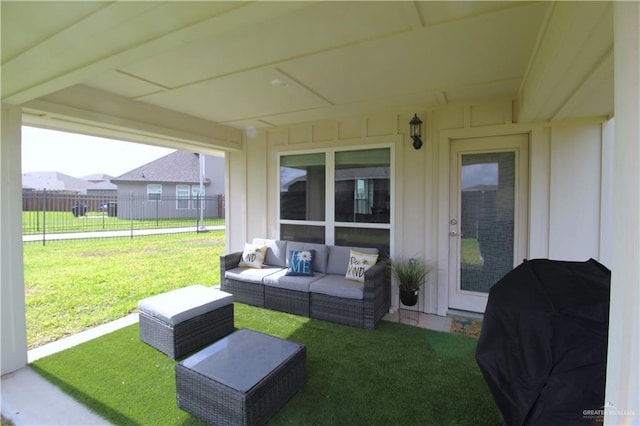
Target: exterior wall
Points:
(214, 171)
(236, 233)
(565, 181)
(133, 203)
(108, 193)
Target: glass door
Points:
(487, 226)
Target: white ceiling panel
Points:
(313, 29)
(488, 49)
(440, 12)
(497, 89)
(27, 30)
(248, 94)
(124, 84)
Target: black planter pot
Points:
(408, 297)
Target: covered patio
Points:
(329, 88)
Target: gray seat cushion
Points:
(338, 286)
(320, 259)
(176, 306)
(251, 275)
(339, 258)
(297, 283)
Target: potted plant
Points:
(411, 275)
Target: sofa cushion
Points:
(253, 255)
(338, 286)
(276, 251)
(359, 263)
(301, 263)
(320, 259)
(339, 258)
(176, 306)
(251, 275)
(288, 282)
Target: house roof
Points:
(98, 177)
(56, 181)
(177, 167)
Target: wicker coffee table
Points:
(244, 378)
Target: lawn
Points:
(470, 252)
(77, 284)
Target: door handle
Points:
(453, 233)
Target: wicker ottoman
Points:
(180, 321)
(242, 379)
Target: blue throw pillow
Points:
(301, 263)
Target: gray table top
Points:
(242, 359)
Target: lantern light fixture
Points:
(415, 131)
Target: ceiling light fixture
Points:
(415, 131)
(278, 82)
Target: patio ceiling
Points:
(192, 70)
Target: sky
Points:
(79, 155)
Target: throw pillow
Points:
(301, 263)
(253, 256)
(359, 263)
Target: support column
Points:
(14, 329)
(623, 362)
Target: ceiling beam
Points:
(574, 42)
(599, 81)
(129, 120)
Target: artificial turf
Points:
(395, 375)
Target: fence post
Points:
(221, 201)
(37, 209)
(131, 208)
(44, 217)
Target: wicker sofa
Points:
(327, 295)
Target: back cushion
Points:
(276, 252)
(339, 258)
(320, 259)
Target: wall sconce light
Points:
(415, 130)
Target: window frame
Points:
(330, 224)
(181, 190)
(154, 193)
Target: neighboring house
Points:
(61, 183)
(102, 186)
(547, 93)
(169, 187)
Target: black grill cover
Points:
(543, 345)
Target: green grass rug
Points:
(396, 375)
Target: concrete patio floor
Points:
(29, 400)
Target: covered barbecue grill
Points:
(543, 345)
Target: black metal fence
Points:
(50, 215)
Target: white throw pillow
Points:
(359, 263)
(253, 256)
